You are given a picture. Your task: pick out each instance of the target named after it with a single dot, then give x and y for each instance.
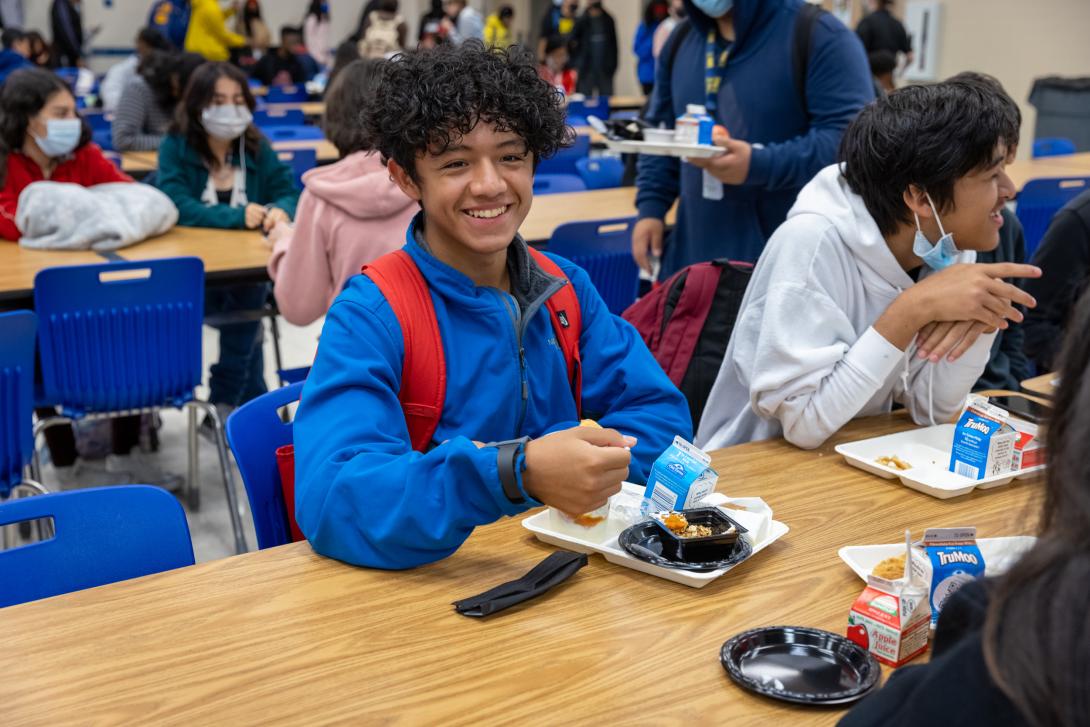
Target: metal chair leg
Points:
(44, 528)
(192, 481)
(35, 458)
(228, 477)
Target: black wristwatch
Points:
(508, 466)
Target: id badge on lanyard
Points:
(715, 62)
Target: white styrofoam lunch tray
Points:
(999, 554)
(928, 451)
(540, 525)
(666, 149)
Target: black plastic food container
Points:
(701, 550)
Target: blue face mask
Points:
(939, 255)
(61, 137)
(714, 8)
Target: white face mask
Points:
(226, 122)
(61, 137)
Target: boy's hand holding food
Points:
(576, 470)
(729, 168)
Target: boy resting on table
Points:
(463, 129)
(869, 294)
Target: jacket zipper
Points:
(512, 307)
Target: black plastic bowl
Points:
(700, 550)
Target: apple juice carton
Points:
(946, 559)
(1029, 448)
(680, 478)
(890, 620)
(984, 441)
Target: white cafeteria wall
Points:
(1014, 40)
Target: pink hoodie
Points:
(349, 214)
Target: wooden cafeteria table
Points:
(1024, 170)
(1042, 384)
(285, 636)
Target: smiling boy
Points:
(869, 294)
(462, 129)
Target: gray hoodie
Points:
(804, 358)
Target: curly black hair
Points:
(928, 136)
(428, 99)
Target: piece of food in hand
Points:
(894, 461)
(719, 133)
(891, 568)
(590, 423)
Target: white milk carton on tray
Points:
(984, 441)
(680, 478)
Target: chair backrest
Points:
(1052, 146)
(1039, 200)
(104, 138)
(555, 183)
(101, 535)
(289, 117)
(68, 74)
(286, 94)
(595, 106)
(301, 161)
(254, 432)
(292, 133)
(97, 120)
(121, 335)
(604, 249)
(600, 172)
(17, 333)
(563, 162)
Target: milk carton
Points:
(945, 560)
(984, 441)
(680, 478)
(890, 619)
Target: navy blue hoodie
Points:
(10, 61)
(759, 103)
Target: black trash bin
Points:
(1063, 109)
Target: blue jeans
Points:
(239, 375)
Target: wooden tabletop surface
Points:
(286, 636)
(1041, 384)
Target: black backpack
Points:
(800, 46)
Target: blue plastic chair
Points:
(300, 161)
(555, 183)
(563, 162)
(286, 94)
(255, 431)
(1039, 200)
(104, 138)
(124, 337)
(292, 133)
(600, 172)
(291, 117)
(69, 75)
(604, 249)
(595, 106)
(97, 120)
(1053, 146)
(101, 535)
(17, 338)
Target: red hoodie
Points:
(86, 167)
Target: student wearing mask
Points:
(1017, 647)
(349, 213)
(220, 172)
(783, 129)
(16, 52)
(146, 108)
(120, 74)
(868, 294)
(43, 138)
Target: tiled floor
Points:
(210, 526)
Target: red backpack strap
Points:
(424, 370)
(567, 321)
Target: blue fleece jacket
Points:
(364, 496)
(758, 102)
(643, 47)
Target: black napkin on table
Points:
(555, 569)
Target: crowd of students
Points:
(868, 220)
